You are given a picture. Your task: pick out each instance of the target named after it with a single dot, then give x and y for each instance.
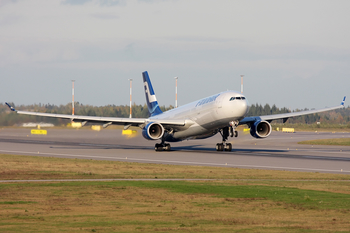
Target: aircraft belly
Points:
(192, 132)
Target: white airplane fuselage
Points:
(206, 116)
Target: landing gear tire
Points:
(228, 147)
(220, 147)
(236, 134)
(158, 147)
(224, 147)
(167, 147)
(162, 147)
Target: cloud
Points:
(112, 2)
(99, 2)
(196, 40)
(75, 2)
(19, 52)
(10, 20)
(5, 2)
(107, 16)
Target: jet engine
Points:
(260, 129)
(153, 131)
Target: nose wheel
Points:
(233, 133)
(232, 128)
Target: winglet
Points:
(152, 103)
(12, 108)
(343, 102)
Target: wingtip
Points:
(12, 108)
(343, 102)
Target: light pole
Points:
(73, 97)
(130, 97)
(176, 78)
(242, 83)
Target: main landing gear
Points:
(224, 146)
(162, 147)
(225, 133)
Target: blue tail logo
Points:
(152, 104)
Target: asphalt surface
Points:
(279, 151)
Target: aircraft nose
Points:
(246, 106)
(236, 107)
(243, 108)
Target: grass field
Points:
(241, 200)
(333, 142)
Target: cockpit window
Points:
(237, 98)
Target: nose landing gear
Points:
(233, 126)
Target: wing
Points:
(285, 116)
(105, 121)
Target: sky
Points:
(293, 54)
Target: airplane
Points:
(219, 113)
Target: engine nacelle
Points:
(260, 129)
(153, 131)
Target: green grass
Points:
(331, 142)
(162, 206)
(307, 198)
(236, 200)
(15, 202)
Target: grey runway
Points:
(279, 151)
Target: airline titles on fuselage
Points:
(207, 100)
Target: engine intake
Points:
(153, 131)
(260, 129)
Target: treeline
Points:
(8, 118)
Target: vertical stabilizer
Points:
(152, 104)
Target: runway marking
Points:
(97, 145)
(179, 162)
